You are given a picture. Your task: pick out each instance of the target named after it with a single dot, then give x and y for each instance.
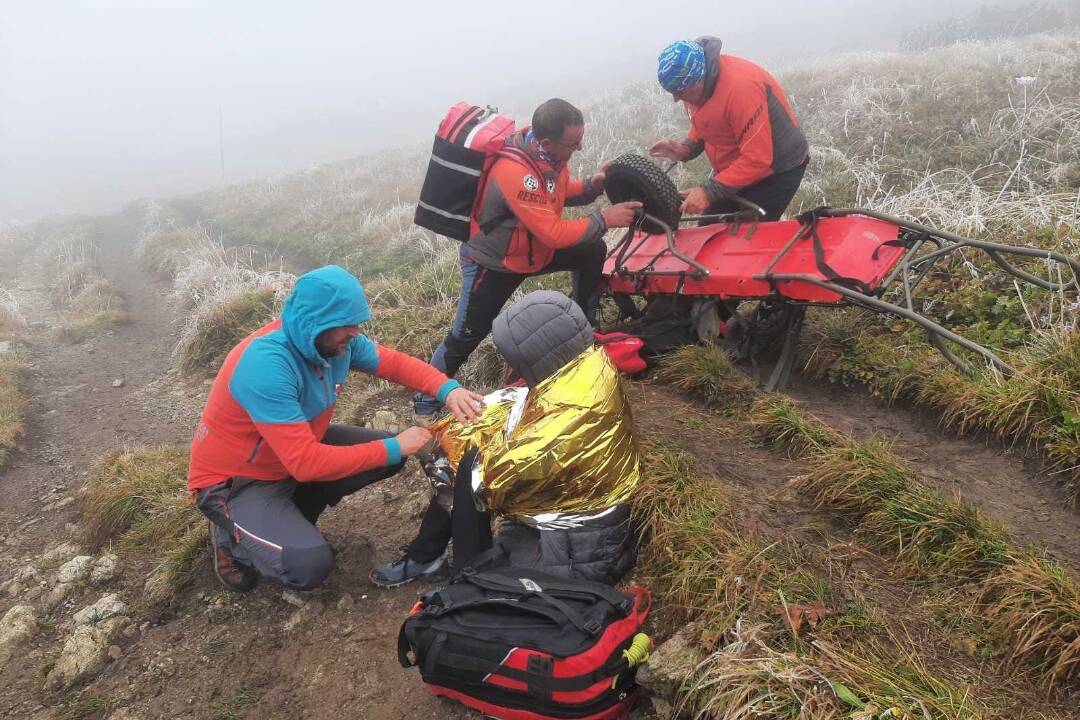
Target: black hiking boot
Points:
(234, 575)
(404, 571)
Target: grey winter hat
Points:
(540, 333)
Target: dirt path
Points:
(216, 655)
(1005, 486)
(76, 413)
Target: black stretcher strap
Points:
(809, 220)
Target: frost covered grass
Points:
(88, 302)
(222, 294)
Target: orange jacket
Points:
(746, 124)
(523, 214)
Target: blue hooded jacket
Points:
(275, 389)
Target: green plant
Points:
(708, 372)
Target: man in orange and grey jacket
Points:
(519, 230)
(741, 118)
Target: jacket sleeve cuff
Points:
(717, 190)
(447, 387)
(393, 450)
(696, 147)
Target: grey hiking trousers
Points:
(270, 525)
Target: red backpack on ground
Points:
(466, 144)
(519, 644)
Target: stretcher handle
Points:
(700, 272)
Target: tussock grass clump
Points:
(218, 329)
(13, 401)
(11, 319)
(776, 420)
(96, 306)
(165, 251)
(747, 678)
(1035, 606)
(138, 500)
(707, 372)
(895, 513)
(1037, 408)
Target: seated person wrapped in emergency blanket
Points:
(557, 460)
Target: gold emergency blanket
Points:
(573, 449)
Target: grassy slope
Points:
(950, 136)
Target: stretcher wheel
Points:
(635, 177)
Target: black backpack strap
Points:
(404, 646)
(500, 580)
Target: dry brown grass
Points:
(94, 307)
(1034, 606)
(13, 400)
(137, 499)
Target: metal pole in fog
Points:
(221, 143)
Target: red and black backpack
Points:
(519, 644)
(466, 145)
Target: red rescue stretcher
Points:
(825, 257)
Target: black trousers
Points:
(484, 292)
(469, 528)
(773, 195)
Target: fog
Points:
(104, 102)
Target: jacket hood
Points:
(540, 333)
(712, 46)
(322, 299)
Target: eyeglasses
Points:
(575, 146)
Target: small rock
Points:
(104, 569)
(118, 382)
(61, 553)
(167, 667)
(115, 652)
(74, 569)
(63, 503)
(84, 654)
(385, 420)
(131, 631)
(293, 598)
(670, 665)
(18, 624)
(345, 602)
(108, 606)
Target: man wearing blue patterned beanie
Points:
(740, 117)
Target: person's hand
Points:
(465, 405)
(670, 149)
(695, 200)
(597, 181)
(412, 440)
(620, 214)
